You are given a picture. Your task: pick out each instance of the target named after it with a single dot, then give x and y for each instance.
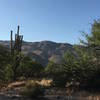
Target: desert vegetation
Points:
(79, 70)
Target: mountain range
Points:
(43, 51)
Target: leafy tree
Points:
(92, 39)
(93, 44)
(89, 58)
(77, 66)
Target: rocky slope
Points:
(44, 51)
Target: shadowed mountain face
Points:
(44, 51)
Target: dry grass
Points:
(43, 82)
(83, 95)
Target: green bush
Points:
(29, 68)
(55, 72)
(6, 72)
(59, 81)
(32, 90)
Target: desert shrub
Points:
(6, 72)
(29, 68)
(32, 90)
(22, 78)
(59, 80)
(55, 72)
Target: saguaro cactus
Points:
(11, 42)
(16, 46)
(16, 50)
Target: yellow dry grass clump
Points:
(43, 82)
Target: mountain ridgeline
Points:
(43, 51)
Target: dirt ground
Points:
(11, 92)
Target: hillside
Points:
(43, 51)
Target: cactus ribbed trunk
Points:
(16, 50)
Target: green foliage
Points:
(26, 67)
(51, 69)
(17, 65)
(29, 68)
(93, 45)
(83, 65)
(55, 72)
(8, 73)
(32, 90)
(5, 65)
(59, 80)
(92, 38)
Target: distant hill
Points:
(43, 51)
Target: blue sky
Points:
(54, 20)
